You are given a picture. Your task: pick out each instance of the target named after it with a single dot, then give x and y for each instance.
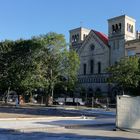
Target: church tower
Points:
(120, 30)
(77, 36)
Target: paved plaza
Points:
(64, 124)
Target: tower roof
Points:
(79, 28)
(122, 16)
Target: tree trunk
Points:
(52, 94)
(7, 95)
(47, 98)
(47, 101)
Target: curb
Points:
(42, 129)
(89, 125)
(32, 129)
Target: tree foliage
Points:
(126, 73)
(15, 64)
(72, 64)
(39, 62)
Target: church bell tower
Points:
(77, 36)
(120, 30)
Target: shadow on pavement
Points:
(43, 111)
(36, 111)
(15, 135)
(80, 124)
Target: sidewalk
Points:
(64, 128)
(26, 124)
(65, 117)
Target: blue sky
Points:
(26, 18)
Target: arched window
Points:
(99, 67)
(127, 27)
(117, 27)
(77, 37)
(84, 36)
(98, 92)
(113, 28)
(91, 66)
(84, 68)
(132, 29)
(72, 38)
(120, 26)
(90, 92)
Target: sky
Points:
(27, 18)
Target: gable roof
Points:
(102, 36)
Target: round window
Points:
(92, 47)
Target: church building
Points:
(98, 51)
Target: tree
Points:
(125, 73)
(70, 72)
(37, 63)
(51, 60)
(5, 48)
(14, 64)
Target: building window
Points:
(132, 29)
(116, 28)
(91, 67)
(72, 38)
(92, 47)
(99, 67)
(98, 92)
(75, 38)
(85, 68)
(84, 36)
(113, 28)
(120, 26)
(131, 52)
(129, 28)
